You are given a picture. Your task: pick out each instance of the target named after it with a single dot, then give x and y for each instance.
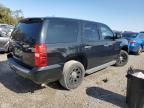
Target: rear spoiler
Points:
(31, 20)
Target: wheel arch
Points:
(125, 48)
(79, 57)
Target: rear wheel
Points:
(122, 58)
(73, 74)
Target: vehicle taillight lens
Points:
(132, 42)
(40, 55)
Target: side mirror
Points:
(117, 36)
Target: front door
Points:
(98, 51)
(110, 48)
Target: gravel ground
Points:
(103, 89)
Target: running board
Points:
(90, 71)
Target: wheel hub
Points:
(74, 74)
(121, 58)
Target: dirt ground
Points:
(103, 89)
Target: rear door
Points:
(62, 40)
(26, 34)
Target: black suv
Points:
(52, 49)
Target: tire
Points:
(139, 50)
(122, 58)
(73, 74)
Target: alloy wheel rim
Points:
(140, 50)
(75, 75)
(122, 58)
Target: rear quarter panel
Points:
(59, 53)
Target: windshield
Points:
(130, 35)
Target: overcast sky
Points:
(118, 14)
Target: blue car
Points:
(135, 41)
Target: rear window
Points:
(29, 31)
(61, 31)
(130, 35)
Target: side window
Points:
(90, 32)
(60, 31)
(106, 33)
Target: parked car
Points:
(5, 33)
(4, 42)
(124, 42)
(6, 29)
(51, 49)
(118, 34)
(136, 41)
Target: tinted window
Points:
(106, 33)
(27, 31)
(62, 31)
(90, 32)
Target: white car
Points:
(5, 33)
(6, 29)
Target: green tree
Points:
(18, 15)
(8, 16)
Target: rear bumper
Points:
(38, 75)
(133, 48)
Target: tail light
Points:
(40, 55)
(132, 42)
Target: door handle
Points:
(87, 47)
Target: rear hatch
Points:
(26, 34)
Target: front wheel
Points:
(73, 74)
(122, 58)
(139, 51)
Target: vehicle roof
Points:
(117, 31)
(62, 18)
(129, 32)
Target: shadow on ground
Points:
(108, 96)
(56, 85)
(18, 84)
(14, 82)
